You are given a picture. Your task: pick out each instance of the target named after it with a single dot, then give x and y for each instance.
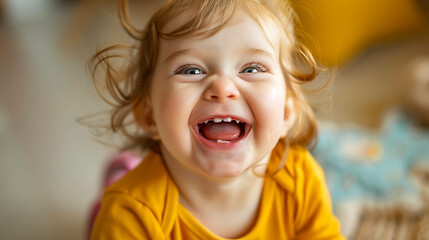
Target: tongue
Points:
(225, 131)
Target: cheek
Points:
(172, 107)
(269, 108)
(274, 101)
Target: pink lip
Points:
(221, 146)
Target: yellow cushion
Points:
(342, 28)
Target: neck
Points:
(200, 193)
(213, 200)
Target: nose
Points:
(221, 90)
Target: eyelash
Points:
(187, 66)
(259, 66)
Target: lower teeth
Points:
(220, 141)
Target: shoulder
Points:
(123, 217)
(145, 183)
(302, 164)
(304, 180)
(299, 169)
(308, 175)
(147, 192)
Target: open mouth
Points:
(223, 129)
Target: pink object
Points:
(119, 165)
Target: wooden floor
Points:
(393, 224)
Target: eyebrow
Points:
(257, 51)
(177, 53)
(250, 51)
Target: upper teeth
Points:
(218, 120)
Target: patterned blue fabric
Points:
(364, 164)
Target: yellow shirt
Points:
(144, 204)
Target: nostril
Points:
(221, 90)
(224, 97)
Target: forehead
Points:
(241, 31)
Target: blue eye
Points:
(254, 68)
(192, 71)
(250, 70)
(189, 69)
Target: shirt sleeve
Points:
(314, 217)
(123, 217)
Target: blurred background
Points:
(51, 167)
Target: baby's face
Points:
(219, 102)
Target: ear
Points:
(143, 114)
(289, 117)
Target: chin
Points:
(225, 168)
